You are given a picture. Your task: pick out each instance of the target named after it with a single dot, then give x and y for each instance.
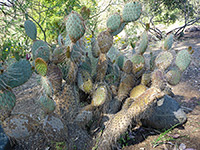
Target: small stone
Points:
(166, 114)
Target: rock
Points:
(166, 114)
(4, 141)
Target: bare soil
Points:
(187, 93)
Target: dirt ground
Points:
(187, 93)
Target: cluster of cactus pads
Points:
(116, 91)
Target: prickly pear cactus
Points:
(183, 59)
(42, 52)
(105, 41)
(7, 102)
(41, 66)
(131, 11)
(173, 76)
(164, 60)
(168, 42)
(75, 26)
(143, 43)
(114, 22)
(30, 29)
(36, 45)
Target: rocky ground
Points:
(187, 93)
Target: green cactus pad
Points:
(76, 54)
(36, 45)
(43, 52)
(138, 63)
(120, 61)
(114, 22)
(143, 43)
(95, 48)
(164, 60)
(102, 67)
(173, 76)
(105, 41)
(59, 54)
(183, 59)
(75, 26)
(100, 95)
(54, 74)
(16, 74)
(114, 33)
(131, 11)
(47, 104)
(46, 86)
(41, 66)
(30, 29)
(168, 42)
(86, 65)
(7, 102)
(84, 81)
(61, 40)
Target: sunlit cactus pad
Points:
(143, 43)
(30, 29)
(173, 76)
(138, 63)
(100, 95)
(183, 59)
(132, 11)
(41, 66)
(75, 26)
(164, 60)
(168, 42)
(114, 22)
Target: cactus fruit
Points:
(131, 11)
(114, 22)
(36, 45)
(75, 26)
(41, 66)
(16, 74)
(54, 75)
(164, 60)
(47, 104)
(183, 59)
(7, 102)
(168, 42)
(173, 76)
(95, 48)
(30, 29)
(20, 126)
(42, 52)
(138, 63)
(143, 43)
(84, 81)
(105, 41)
(137, 91)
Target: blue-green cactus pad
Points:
(183, 59)
(114, 22)
(30, 29)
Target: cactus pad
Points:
(95, 48)
(120, 61)
(36, 45)
(105, 41)
(183, 59)
(127, 67)
(30, 29)
(43, 52)
(59, 54)
(114, 33)
(75, 26)
(7, 102)
(16, 74)
(114, 22)
(173, 76)
(137, 91)
(168, 42)
(46, 86)
(131, 11)
(138, 63)
(41, 66)
(47, 104)
(100, 95)
(143, 43)
(85, 81)
(164, 60)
